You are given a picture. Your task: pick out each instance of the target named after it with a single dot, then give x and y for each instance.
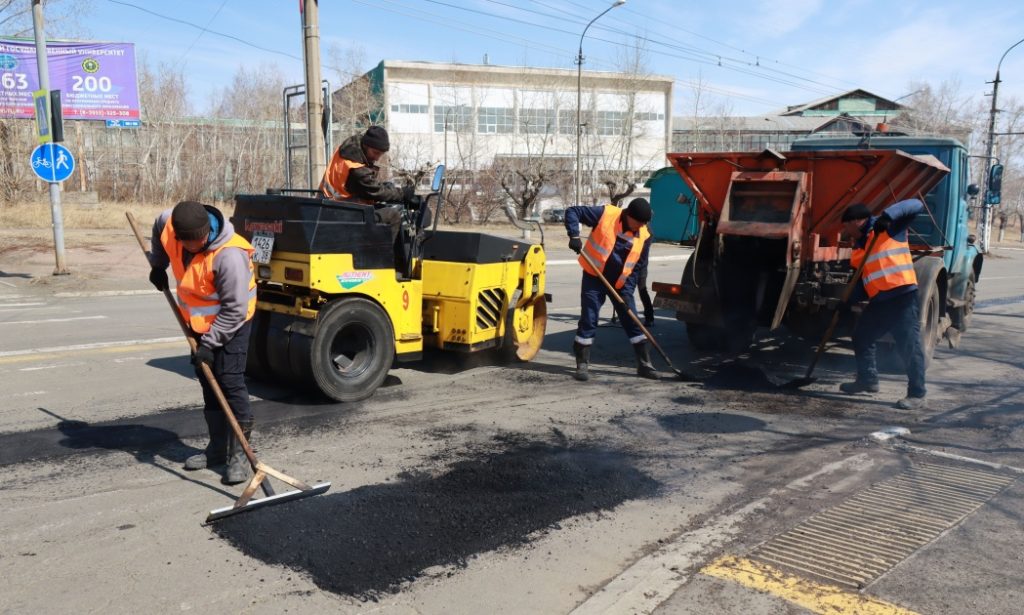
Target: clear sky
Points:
(753, 56)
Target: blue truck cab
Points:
(946, 255)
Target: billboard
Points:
(97, 81)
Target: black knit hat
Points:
(190, 221)
(639, 210)
(857, 211)
(377, 138)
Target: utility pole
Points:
(985, 225)
(314, 94)
(56, 215)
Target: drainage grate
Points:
(857, 541)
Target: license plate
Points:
(263, 242)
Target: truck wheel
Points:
(352, 350)
(928, 311)
(970, 293)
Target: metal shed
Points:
(675, 215)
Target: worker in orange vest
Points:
(620, 245)
(890, 285)
(353, 176)
(216, 293)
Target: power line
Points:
(204, 30)
(214, 32)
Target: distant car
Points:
(556, 214)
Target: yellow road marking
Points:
(64, 354)
(815, 597)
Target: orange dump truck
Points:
(769, 251)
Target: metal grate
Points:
(857, 541)
(489, 305)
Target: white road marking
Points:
(670, 257)
(53, 366)
(109, 293)
(27, 393)
(7, 284)
(39, 322)
(158, 340)
(7, 306)
(986, 278)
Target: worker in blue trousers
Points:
(890, 284)
(619, 244)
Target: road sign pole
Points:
(44, 84)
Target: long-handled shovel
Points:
(260, 470)
(615, 295)
(797, 383)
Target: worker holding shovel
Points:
(617, 248)
(889, 281)
(216, 296)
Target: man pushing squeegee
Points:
(216, 300)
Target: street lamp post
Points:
(579, 96)
(986, 208)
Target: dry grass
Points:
(79, 217)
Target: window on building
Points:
(457, 118)
(567, 121)
(649, 117)
(610, 123)
(499, 120)
(536, 121)
(409, 108)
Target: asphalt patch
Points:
(373, 539)
(710, 422)
(741, 377)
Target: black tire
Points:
(928, 311)
(353, 348)
(967, 310)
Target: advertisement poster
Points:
(97, 81)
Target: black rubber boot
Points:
(216, 453)
(582, 361)
(238, 470)
(644, 368)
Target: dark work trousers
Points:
(645, 297)
(229, 370)
(898, 316)
(592, 296)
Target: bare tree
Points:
(62, 17)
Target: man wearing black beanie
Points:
(352, 176)
(216, 296)
(619, 244)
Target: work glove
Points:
(203, 354)
(158, 278)
(575, 244)
(882, 223)
(414, 202)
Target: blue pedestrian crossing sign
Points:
(52, 162)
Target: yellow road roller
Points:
(340, 300)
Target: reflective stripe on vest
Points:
(890, 264)
(601, 242)
(332, 185)
(197, 296)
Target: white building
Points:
(474, 117)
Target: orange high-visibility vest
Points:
(198, 301)
(601, 242)
(890, 264)
(332, 185)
